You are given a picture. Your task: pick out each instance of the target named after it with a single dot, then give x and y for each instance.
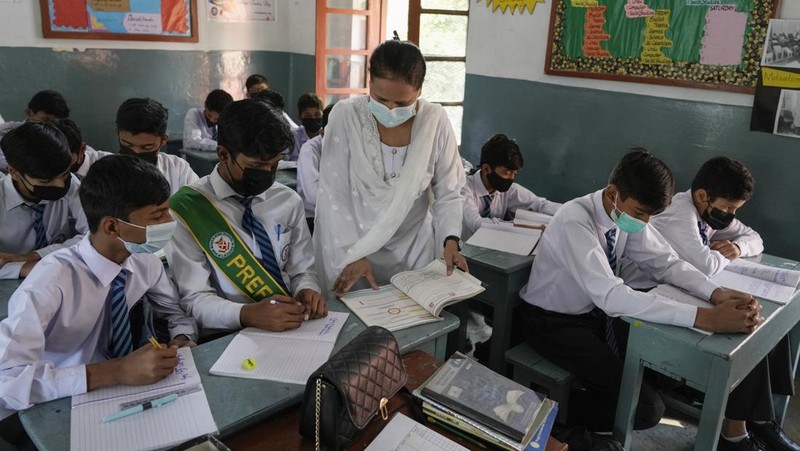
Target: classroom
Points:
(495, 82)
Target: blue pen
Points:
(279, 231)
(140, 407)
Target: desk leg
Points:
(440, 347)
(501, 333)
(457, 339)
(781, 402)
(716, 400)
(629, 393)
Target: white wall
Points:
(513, 46)
(293, 31)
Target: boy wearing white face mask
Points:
(574, 290)
(79, 321)
(490, 194)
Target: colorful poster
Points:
(513, 5)
(96, 18)
(241, 10)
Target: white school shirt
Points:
(571, 273)
(206, 293)
(292, 124)
(300, 138)
(501, 204)
(58, 321)
(16, 223)
(679, 226)
(308, 173)
(90, 156)
(176, 170)
(197, 134)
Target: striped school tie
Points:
(215, 133)
(121, 343)
(487, 206)
(611, 253)
(703, 228)
(38, 225)
(252, 225)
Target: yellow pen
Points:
(155, 343)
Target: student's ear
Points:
(29, 113)
(164, 139)
(611, 192)
(702, 195)
(109, 226)
(485, 169)
(223, 154)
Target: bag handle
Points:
(316, 413)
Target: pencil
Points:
(155, 343)
(455, 431)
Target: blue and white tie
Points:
(38, 225)
(486, 209)
(252, 225)
(215, 133)
(121, 342)
(703, 228)
(611, 253)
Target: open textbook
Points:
(531, 219)
(414, 297)
(766, 282)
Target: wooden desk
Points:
(712, 364)
(7, 288)
(505, 274)
(237, 403)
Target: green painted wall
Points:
(96, 81)
(572, 137)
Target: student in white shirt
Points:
(43, 106)
(142, 131)
(37, 198)
(701, 223)
(490, 194)
(267, 217)
(256, 83)
(200, 124)
(308, 170)
(83, 156)
(64, 334)
(276, 99)
(574, 292)
(309, 107)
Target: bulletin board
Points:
(127, 20)
(711, 44)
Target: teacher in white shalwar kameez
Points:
(390, 178)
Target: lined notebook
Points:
(289, 356)
(186, 418)
(767, 282)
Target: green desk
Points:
(7, 287)
(712, 364)
(237, 403)
(505, 274)
(203, 162)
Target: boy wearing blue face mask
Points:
(242, 253)
(37, 198)
(574, 289)
(701, 224)
(490, 194)
(79, 321)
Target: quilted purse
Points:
(346, 392)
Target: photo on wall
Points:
(782, 44)
(787, 116)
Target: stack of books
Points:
(467, 398)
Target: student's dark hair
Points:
(51, 102)
(71, 132)
(308, 100)
(500, 150)
(398, 59)
(142, 115)
(255, 79)
(326, 114)
(274, 98)
(724, 177)
(37, 149)
(217, 100)
(254, 128)
(117, 185)
(645, 178)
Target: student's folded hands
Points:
(734, 312)
(726, 248)
(277, 313)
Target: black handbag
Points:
(346, 392)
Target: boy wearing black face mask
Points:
(37, 198)
(242, 254)
(490, 194)
(83, 156)
(701, 224)
(310, 108)
(142, 132)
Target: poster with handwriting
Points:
(712, 44)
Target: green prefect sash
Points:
(222, 245)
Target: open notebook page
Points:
(507, 238)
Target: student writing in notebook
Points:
(142, 132)
(490, 194)
(37, 198)
(83, 156)
(574, 292)
(200, 124)
(79, 321)
(43, 106)
(242, 254)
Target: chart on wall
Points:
(696, 43)
(776, 104)
(147, 20)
